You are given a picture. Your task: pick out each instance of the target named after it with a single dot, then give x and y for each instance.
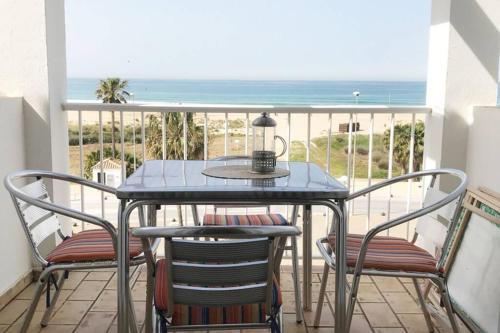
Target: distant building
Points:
(111, 172)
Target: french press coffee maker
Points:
(264, 151)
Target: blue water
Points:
(262, 92)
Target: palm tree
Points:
(112, 90)
(174, 142)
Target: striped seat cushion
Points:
(90, 245)
(200, 315)
(255, 219)
(388, 253)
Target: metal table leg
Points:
(340, 268)
(125, 320)
(307, 257)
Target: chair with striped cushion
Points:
(257, 220)
(90, 249)
(224, 284)
(373, 254)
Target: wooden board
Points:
(473, 262)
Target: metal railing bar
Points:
(205, 136)
(143, 137)
(80, 142)
(247, 129)
(122, 148)
(185, 135)
(329, 143)
(308, 139)
(163, 136)
(410, 170)
(101, 149)
(133, 139)
(354, 161)
(370, 157)
(390, 165)
(225, 133)
(217, 108)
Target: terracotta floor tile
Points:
(327, 318)
(359, 324)
(96, 322)
(389, 330)
(63, 296)
(139, 291)
(87, 290)
(106, 301)
(414, 323)
(74, 279)
(290, 325)
(71, 313)
(402, 302)
(13, 311)
(3, 328)
(380, 315)
(368, 292)
(388, 283)
(99, 276)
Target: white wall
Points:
(483, 159)
(462, 72)
(16, 257)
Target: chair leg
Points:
(50, 309)
(296, 280)
(148, 321)
(425, 310)
(132, 318)
(321, 298)
(448, 307)
(352, 300)
(31, 310)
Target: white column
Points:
(33, 66)
(462, 72)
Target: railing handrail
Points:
(233, 108)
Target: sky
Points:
(248, 39)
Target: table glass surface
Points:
(183, 180)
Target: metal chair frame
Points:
(358, 270)
(293, 240)
(48, 269)
(207, 286)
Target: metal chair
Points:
(90, 249)
(224, 284)
(259, 219)
(396, 257)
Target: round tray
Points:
(242, 172)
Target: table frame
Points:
(339, 219)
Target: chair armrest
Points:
(232, 232)
(456, 193)
(435, 172)
(325, 252)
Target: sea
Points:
(262, 92)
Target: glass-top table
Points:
(173, 182)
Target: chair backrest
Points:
(237, 269)
(39, 224)
(432, 229)
(223, 273)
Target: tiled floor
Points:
(88, 304)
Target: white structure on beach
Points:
(108, 172)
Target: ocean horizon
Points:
(274, 92)
(258, 92)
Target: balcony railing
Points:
(359, 145)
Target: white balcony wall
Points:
(16, 255)
(32, 67)
(483, 162)
(462, 72)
